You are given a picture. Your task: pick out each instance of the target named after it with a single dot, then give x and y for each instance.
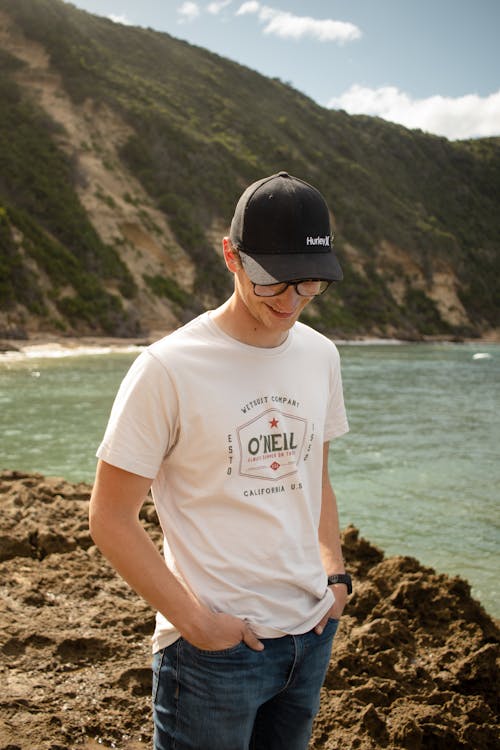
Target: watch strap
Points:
(344, 578)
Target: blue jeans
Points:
(240, 699)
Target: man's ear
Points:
(230, 256)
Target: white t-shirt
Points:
(232, 436)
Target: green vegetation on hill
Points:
(38, 198)
(203, 127)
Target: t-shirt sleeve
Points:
(143, 424)
(336, 423)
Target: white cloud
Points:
(467, 116)
(217, 6)
(188, 11)
(288, 26)
(120, 19)
(249, 7)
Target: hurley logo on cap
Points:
(324, 241)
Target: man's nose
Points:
(289, 296)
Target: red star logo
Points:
(274, 422)
(275, 466)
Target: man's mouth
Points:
(284, 314)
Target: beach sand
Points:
(414, 664)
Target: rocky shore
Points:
(414, 664)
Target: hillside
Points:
(124, 150)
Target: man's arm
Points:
(116, 500)
(329, 542)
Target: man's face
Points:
(277, 313)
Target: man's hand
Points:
(340, 593)
(219, 632)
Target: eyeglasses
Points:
(304, 288)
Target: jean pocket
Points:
(331, 626)
(156, 666)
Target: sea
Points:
(418, 473)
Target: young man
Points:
(228, 420)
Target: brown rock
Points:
(414, 663)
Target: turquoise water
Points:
(418, 473)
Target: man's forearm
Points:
(329, 534)
(115, 527)
(329, 528)
(130, 550)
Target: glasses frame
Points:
(285, 284)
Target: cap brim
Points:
(271, 269)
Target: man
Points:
(229, 419)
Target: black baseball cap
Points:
(281, 228)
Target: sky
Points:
(428, 64)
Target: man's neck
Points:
(234, 319)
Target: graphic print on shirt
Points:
(273, 442)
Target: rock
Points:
(414, 664)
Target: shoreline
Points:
(43, 345)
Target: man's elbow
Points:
(99, 522)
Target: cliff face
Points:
(123, 151)
(89, 136)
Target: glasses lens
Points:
(311, 288)
(308, 288)
(270, 290)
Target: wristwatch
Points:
(341, 578)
